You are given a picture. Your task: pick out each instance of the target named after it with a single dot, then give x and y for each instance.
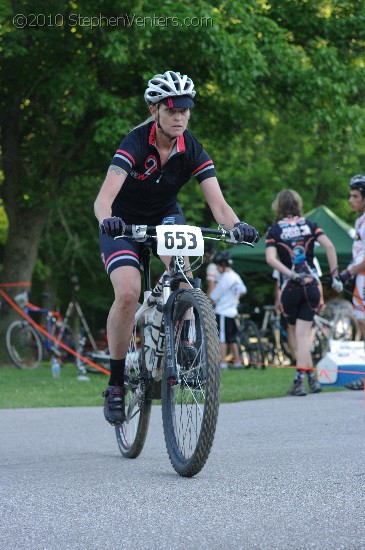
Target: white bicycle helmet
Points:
(173, 89)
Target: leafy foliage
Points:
(280, 103)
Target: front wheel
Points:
(190, 403)
(131, 435)
(24, 345)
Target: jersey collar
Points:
(179, 145)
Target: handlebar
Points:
(142, 232)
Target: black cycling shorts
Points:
(123, 251)
(300, 302)
(227, 328)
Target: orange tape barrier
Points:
(8, 285)
(47, 334)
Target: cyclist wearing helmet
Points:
(289, 249)
(357, 267)
(225, 296)
(153, 162)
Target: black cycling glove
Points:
(113, 226)
(245, 233)
(345, 276)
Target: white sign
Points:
(179, 240)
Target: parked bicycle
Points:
(251, 347)
(274, 338)
(27, 346)
(174, 353)
(334, 323)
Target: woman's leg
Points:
(126, 282)
(303, 338)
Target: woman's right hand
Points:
(113, 226)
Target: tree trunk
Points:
(25, 223)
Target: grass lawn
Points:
(37, 388)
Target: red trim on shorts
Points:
(120, 253)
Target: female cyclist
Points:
(289, 249)
(151, 165)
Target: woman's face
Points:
(173, 121)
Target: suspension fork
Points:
(170, 359)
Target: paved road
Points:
(284, 474)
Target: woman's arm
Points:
(330, 252)
(113, 182)
(274, 262)
(222, 212)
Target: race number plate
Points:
(179, 240)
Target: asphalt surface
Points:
(283, 474)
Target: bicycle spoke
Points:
(190, 404)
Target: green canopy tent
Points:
(252, 260)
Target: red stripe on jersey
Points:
(152, 136)
(201, 166)
(126, 154)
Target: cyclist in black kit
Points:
(290, 250)
(151, 165)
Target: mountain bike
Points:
(27, 346)
(174, 352)
(250, 343)
(274, 338)
(336, 322)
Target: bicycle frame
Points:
(55, 325)
(163, 294)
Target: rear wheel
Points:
(190, 403)
(131, 435)
(24, 345)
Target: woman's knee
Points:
(126, 298)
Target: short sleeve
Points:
(202, 164)
(270, 238)
(128, 152)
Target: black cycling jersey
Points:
(149, 191)
(292, 234)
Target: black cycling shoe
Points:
(114, 408)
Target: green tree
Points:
(280, 103)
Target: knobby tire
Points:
(131, 435)
(190, 406)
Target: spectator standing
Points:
(212, 273)
(357, 267)
(225, 296)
